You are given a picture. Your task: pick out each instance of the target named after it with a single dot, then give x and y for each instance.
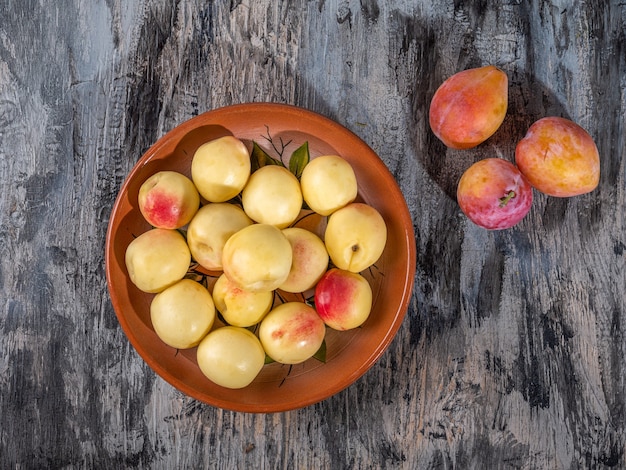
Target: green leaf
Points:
(260, 157)
(320, 355)
(269, 360)
(299, 159)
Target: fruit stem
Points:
(504, 200)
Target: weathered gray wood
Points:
(513, 352)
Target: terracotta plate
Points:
(278, 129)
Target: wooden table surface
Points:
(512, 353)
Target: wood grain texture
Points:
(513, 351)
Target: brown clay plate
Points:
(278, 129)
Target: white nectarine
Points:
(343, 299)
(168, 199)
(272, 196)
(328, 183)
(182, 314)
(309, 261)
(240, 307)
(355, 237)
(209, 230)
(220, 168)
(156, 259)
(292, 333)
(257, 258)
(231, 357)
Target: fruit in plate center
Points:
(469, 106)
(240, 307)
(209, 230)
(257, 258)
(343, 299)
(309, 260)
(272, 196)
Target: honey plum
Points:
(559, 158)
(469, 107)
(210, 229)
(355, 236)
(494, 194)
(272, 196)
(240, 307)
(328, 183)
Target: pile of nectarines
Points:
(237, 218)
(556, 157)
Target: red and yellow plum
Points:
(559, 158)
(469, 106)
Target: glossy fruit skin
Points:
(494, 194)
(355, 236)
(328, 183)
(257, 258)
(231, 357)
(469, 107)
(559, 158)
(309, 260)
(240, 307)
(221, 168)
(272, 196)
(210, 229)
(343, 299)
(168, 199)
(292, 333)
(157, 259)
(182, 314)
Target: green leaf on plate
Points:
(260, 158)
(299, 159)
